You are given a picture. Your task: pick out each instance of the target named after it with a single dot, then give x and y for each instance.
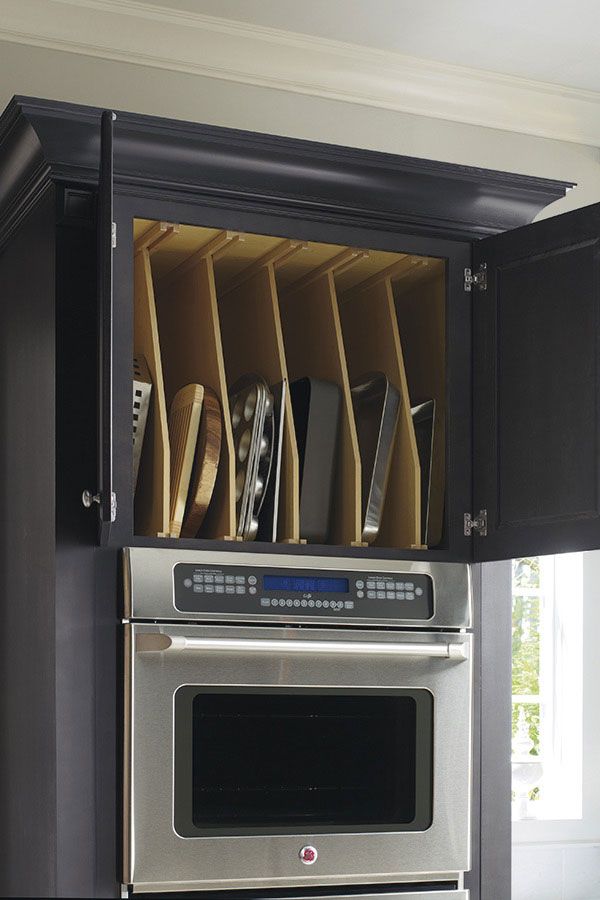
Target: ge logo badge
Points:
(308, 855)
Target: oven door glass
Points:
(278, 761)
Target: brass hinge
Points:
(477, 525)
(479, 278)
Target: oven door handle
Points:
(166, 643)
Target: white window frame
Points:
(578, 696)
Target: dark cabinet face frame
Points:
(456, 255)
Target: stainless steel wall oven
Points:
(295, 722)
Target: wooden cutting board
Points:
(184, 423)
(206, 464)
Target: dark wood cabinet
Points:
(520, 391)
(520, 386)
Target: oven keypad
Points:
(289, 603)
(238, 589)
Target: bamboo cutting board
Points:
(184, 423)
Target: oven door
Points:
(279, 757)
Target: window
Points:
(547, 639)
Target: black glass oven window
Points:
(301, 761)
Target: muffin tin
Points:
(252, 422)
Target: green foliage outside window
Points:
(526, 610)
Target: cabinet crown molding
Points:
(42, 141)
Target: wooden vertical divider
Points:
(372, 344)
(314, 347)
(420, 301)
(151, 514)
(253, 343)
(190, 335)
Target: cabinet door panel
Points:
(106, 498)
(537, 388)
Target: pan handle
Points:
(165, 643)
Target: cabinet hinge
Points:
(477, 525)
(479, 278)
(113, 235)
(87, 498)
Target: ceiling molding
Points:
(132, 32)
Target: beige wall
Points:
(64, 76)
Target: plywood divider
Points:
(274, 257)
(314, 347)
(372, 344)
(346, 259)
(151, 513)
(420, 301)
(397, 270)
(217, 245)
(253, 343)
(190, 337)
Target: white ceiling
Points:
(545, 40)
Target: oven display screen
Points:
(312, 585)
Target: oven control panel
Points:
(244, 590)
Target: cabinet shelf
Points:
(213, 306)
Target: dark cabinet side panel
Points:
(27, 573)
(537, 388)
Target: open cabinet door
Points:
(536, 401)
(104, 495)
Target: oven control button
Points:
(308, 855)
(252, 590)
(187, 582)
(360, 584)
(361, 594)
(419, 592)
(252, 579)
(371, 585)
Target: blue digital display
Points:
(306, 585)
